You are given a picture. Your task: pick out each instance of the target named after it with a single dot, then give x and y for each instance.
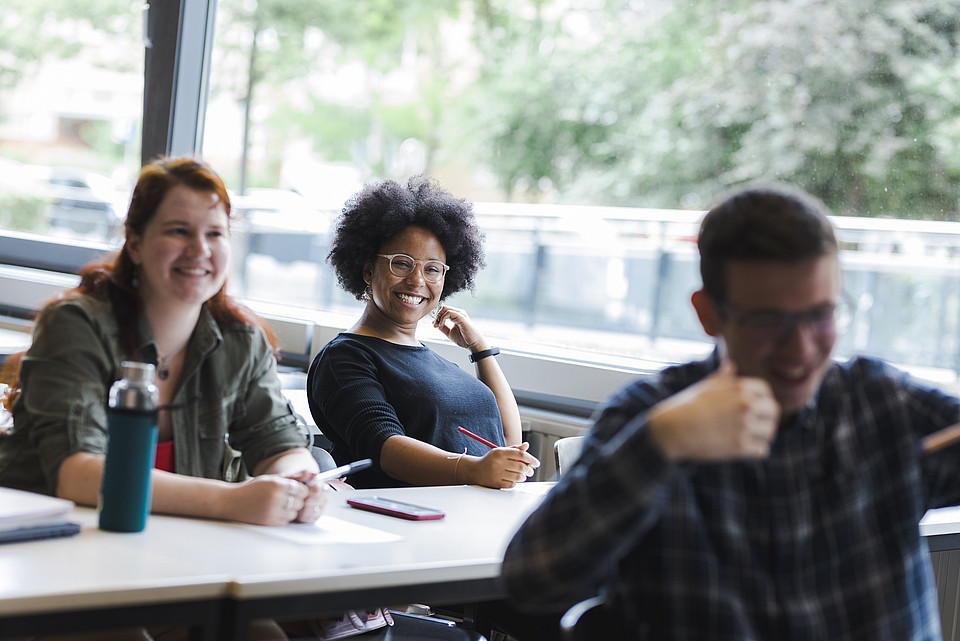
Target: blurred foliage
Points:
(23, 212)
(34, 32)
(96, 134)
(654, 104)
(292, 47)
(671, 104)
(31, 31)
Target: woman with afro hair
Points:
(375, 390)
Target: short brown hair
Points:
(773, 222)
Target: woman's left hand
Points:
(457, 326)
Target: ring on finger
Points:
(293, 488)
(289, 504)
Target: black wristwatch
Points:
(479, 356)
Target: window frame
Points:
(178, 49)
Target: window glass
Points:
(567, 121)
(71, 81)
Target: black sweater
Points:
(362, 390)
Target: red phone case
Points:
(397, 509)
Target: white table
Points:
(941, 522)
(941, 527)
(217, 576)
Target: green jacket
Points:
(229, 398)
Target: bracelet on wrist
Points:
(456, 471)
(479, 356)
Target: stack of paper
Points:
(26, 516)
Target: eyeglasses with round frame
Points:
(768, 326)
(402, 265)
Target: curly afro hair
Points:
(381, 210)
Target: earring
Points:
(134, 281)
(367, 294)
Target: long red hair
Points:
(113, 279)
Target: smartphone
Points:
(398, 509)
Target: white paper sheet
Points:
(539, 489)
(327, 529)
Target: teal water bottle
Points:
(132, 433)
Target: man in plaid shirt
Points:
(767, 492)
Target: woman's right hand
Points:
(270, 499)
(501, 467)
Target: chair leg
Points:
(480, 617)
(501, 616)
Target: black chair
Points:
(590, 620)
(413, 627)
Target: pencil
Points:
(474, 436)
(938, 440)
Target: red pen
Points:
(474, 436)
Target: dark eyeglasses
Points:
(770, 326)
(402, 265)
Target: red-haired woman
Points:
(163, 300)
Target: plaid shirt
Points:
(818, 541)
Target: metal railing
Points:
(614, 274)
(630, 272)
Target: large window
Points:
(541, 111)
(590, 133)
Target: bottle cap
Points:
(139, 372)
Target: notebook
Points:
(26, 516)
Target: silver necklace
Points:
(163, 367)
(163, 370)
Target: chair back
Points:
(589, 620)
(567, 450)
